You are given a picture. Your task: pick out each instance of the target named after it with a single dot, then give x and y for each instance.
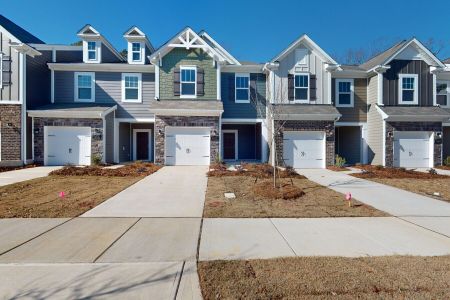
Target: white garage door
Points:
(187, 146)
(412, 149)
(304, 149)
(67, 145)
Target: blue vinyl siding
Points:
(249, 136)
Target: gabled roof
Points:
(308, 42)
(418, 113)
(218, 47)
(187, 38)
(135, 33)
(387, 56)
(446, 61)
(89, 32)
(18, 32)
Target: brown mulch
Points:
(252, 170)
(370, 171)
(385, 277)
(135, 169)
(444, 167)
(6, 169)
(306, 199)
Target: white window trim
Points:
(236, 146)
(98, 51)
(181, 82)
(400, 89)
(139, 76)
(308, 88)
(236, 88)
(92, 74)
(352, 93)
(448, 91)
(141, 51)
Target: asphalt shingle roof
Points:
(20, 33)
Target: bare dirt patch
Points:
(369, 172)
(252, 170)
(388, 277)
(135, 169)
(314, 200)
(338, 169)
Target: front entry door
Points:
(229, 145)
(142, 139)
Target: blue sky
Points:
(249, 30)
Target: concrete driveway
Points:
(171, 192)
(15, 176)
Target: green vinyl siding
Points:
(193, 57)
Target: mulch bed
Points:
(135, 169)
(6, 169)
(443, 167)
(253, 170)
(369, 171)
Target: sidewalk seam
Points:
(270, 219)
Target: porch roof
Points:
(415, 113)
(307, 112)
(72, 110)
(187, 107)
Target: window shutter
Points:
(200, 82)
(312, 87)
(6, 70)
(232, 87)
(176, 82)
(290, 87)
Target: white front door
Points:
(412, 149)
(187, 146)
(67, 145)
(304, 149)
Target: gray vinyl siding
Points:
(108, 56)
(375, 125)
(38, 80)
(288, 66)
(10, 92)
(348, 143)
(247, 140)
(108, 89)
(391, 82)
(253, 110)
(124, 142)
(109, 138)
(69, 56)
(357, 113)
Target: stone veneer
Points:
(182, 121)
(96, 134)
(10, 122)
(326, 126)
(411, 126)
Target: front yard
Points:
(427, 184)
(392, 277)
(83, 188)
(298, 197)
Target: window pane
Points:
(188, 75)
(242, 94)
(136, 56)
(408, 95)
(408, 83)
(344, 99)
(301, 94)
(131, 81)
(344, 87)
(188, 89)
(91, 45)
(84, 81)
(91, 55)
(301, 80)
(136, 47)
(441, 88)
(242, 82)
(131, 94)
(84, 93)
(441, 100)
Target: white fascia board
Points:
(236, 121)
(186, 112)
(225, 52)
(384, 116)
(402, 118)
(108, 111)
(63, 114)
(340, 124)
(24, 48)
(136, 120)
(243, 68)
(311, 117)
(349, 74)
(108, 67)
(49, 47)
(9, 35)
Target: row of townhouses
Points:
(190, 102)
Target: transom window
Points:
(136, 51)
(131, 87)
(408, 89)
(301, 86)
(344, 93)
(442, 93)
(242, 89)
(188, 82)
(92, 50)
(84, 87)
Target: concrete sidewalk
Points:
(15, 176)
(170, 192)
(350, 237)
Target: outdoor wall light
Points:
(439, 134)
(390, 134)
(9, 124)
(36, 131)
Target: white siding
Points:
(375, 125)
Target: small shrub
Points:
(447, 161)
(96, 159)
(340, 161)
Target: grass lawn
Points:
(388, 277)
(416, 182)
(317, 201)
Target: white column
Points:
(380, 89)
(264, 141)
(219, 89)
(157, 81)
(364, 145)
(22, 100)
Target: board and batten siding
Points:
(288, 66)
(374, 125)
(108, 89)
(391, 81)
(109, 137)
(357, 113)
(10, 92)
(253, 110)
(38, 80)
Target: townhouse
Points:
(190, 102)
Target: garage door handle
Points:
(169, 156)
(50, 155)
(205, 155)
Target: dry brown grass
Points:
(389, 277)
(39, 198)
(134, 169)
(317, 201)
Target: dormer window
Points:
(92, 50)
(136, 51)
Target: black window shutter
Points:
(6, 70)
(290, 87)
(200, 82)
(312, 87)
(231, 86)
(176, 82)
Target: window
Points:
(242, 89)
(408, 89)
(92, 50)
(442, 93)
(136, 51)
(85, 87)
(188, 82)
(344, 93)
(301, 85)
(131, 87)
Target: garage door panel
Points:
(187, 146)
(412, 149)
(68, 145)
(304, 149)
